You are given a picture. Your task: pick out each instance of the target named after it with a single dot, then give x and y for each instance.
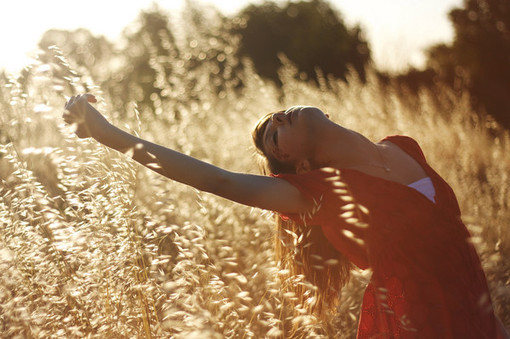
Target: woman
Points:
(346, 201)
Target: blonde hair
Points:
(314, 257)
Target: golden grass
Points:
(92, 245)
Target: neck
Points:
(343, 148)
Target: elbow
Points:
(229, 186)
(217, 184)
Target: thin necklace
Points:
(382, 163)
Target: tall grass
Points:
(93, 245)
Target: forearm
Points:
(170, 163)
(253, 190)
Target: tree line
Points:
(157, 54)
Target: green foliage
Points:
(147, 56)
(161, 54)
(479, 57)
(143, 69)
(310, 33)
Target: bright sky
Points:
(397, 30)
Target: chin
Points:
(313, 112)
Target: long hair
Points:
(304, 251)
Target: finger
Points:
(71, 115)
(91, 98)
(73, 101)
(86, 97)
(67, 100)
(68, 118)
(70, 102)
(67, 114)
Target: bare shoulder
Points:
(403, 165)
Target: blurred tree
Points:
(479, 57)
(210, 49)
(149, 54)
(158, 58)
(310, 33)
(163, 57)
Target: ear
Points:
(303, 166)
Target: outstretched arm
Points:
(253, 190)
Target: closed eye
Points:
(275, 138)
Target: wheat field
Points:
(93, 245)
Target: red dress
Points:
(427, 279)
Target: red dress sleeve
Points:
(342, 220)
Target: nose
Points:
(278, 118)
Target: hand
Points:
(82, 115)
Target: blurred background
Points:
(459, 43)
(398, 31)
(94, 245)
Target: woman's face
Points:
(290, 136)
